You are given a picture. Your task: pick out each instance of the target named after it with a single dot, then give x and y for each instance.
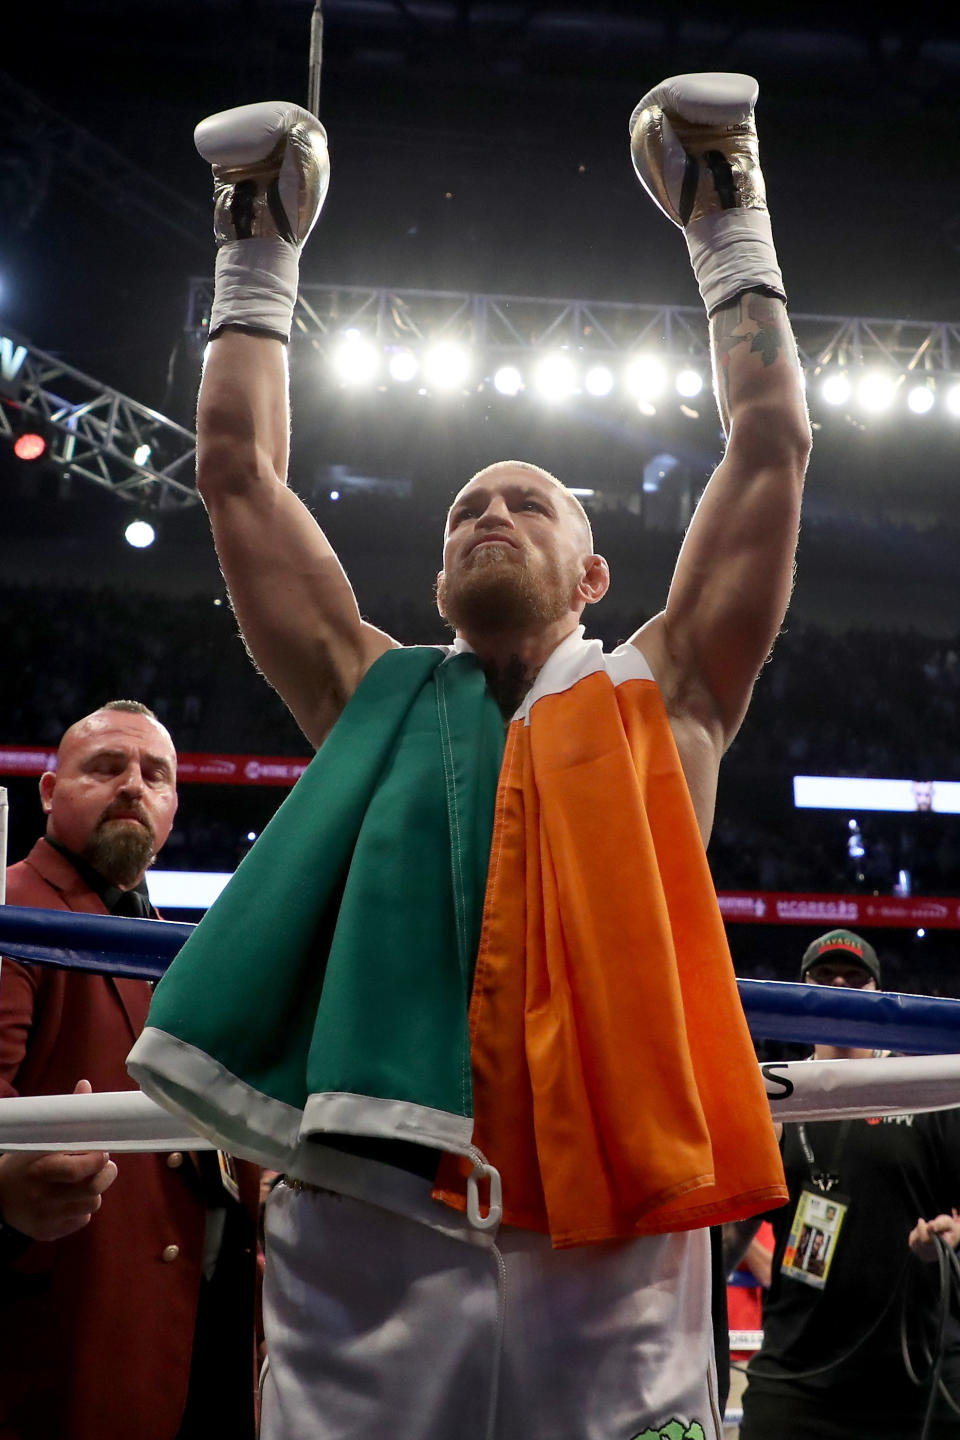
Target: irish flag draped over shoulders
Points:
(615, 1081)
(448, 939)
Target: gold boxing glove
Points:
(693, 142)
(271, 172)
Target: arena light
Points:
(403, 366)
(689, 383)
(507, 380)
(953, 400)
(29, 446)
(836, 388)
(920, 399)
(645, 378)
(598, 381)
(142, 454)
(355, 360)
(140, 534)
(185, 889)
(447, 366)
(556, 377)
(876, 390)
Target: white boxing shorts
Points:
(391, 1319)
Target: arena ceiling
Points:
(476, 146)
(482, 145)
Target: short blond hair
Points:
(526, 465)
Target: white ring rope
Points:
(806, 1090)
(113, 1120)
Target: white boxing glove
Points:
(694, 146)
(271, 172)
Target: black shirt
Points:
(892, 1171)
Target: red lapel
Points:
(74, 894)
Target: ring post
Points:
(316, 59)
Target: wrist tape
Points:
(732, 251)
(256, 286)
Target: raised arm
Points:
(295, 607)
(735, 569)
(734, 573)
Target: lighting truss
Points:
(513, 324)
(95, 431)
(100, 434)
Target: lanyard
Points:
(824, 1180)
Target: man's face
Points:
(923, 794)
(514, 555)
(113, 796)
(843, 973)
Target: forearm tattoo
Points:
(767, 340)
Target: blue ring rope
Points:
(775, 1009)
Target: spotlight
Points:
(556, 377)
(403, 365)
(29, 446)
(646, 378)
(355, 359)
(689, 383)
(334, 494)
(953, 400)
(920, 399)
(447, 366)
(508, 380)
(142, 454)
(598, 381)
(921, 933)
(140, 534)
(836, 388)
(876, 390)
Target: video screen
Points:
(852, 792)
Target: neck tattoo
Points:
(509, 683)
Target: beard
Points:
(120, 850)
(496, 594)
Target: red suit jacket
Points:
(98, 1327)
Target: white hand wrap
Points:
(732, 251)
(256, 286)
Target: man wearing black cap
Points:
(848, 1247)
(844, 959)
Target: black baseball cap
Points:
(842, 945)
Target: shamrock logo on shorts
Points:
(674, 1430)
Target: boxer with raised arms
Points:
(459, 955)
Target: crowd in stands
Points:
(873, 703)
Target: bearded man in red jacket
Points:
(126, 1287)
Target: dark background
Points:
(480, 147)
(483, 147)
